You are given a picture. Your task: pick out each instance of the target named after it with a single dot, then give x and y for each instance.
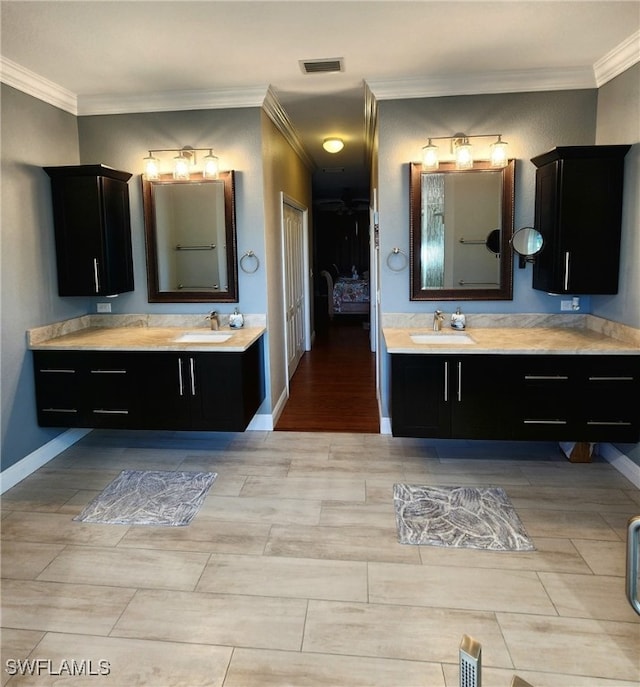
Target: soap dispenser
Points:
(236, 320)
(458, 320)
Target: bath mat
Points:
(469, 517)
(150, 497)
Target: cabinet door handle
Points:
(459, 381)
(96, 277)
(546, 377)
(446, 381)
(609, 423)
(103, 411)
(610, 379)
(59, 410)
(566, 270)
(192, 374)
(108, 372)
(545, 422)
(59, 371)
(180, 378)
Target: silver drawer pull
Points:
(108, 372)
(545, 422)
(59, 410)
(610, 379)
(102, 411)
(554, 377)
(58, 371)
(609, 423)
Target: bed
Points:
(347, 296)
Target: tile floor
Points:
(291, 573)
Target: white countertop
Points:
(510, 340)
(95, 334)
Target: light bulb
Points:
(499, 153)
(211, 166)
(333, 145)
(430, 160)
(464, 156)
(180, 167)
(151, 167)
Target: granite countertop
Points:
(92, 333)
(511, 340)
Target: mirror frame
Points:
(505, 290)
(155, 295)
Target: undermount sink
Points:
(441, 338)
(205, 336)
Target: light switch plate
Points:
(106, 307)
(566, 305)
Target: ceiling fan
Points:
(345, 205)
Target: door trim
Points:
(306, 277)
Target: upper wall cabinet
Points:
(578, 212)
(92, 230)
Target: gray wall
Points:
(619, 122)
(34, 135)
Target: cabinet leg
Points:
(577, 452)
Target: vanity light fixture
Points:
(333, 145)
(462, 151)
(183, 163)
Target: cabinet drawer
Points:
(58, 389)
(109, 389)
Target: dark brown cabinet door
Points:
(92, 230)
(578, 211)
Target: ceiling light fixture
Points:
(183, 163)
(463, 152)
(333, 145)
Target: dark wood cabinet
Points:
(523, 397)
(578, 211)
(92, 230)
(447, 396)
(200, 391)
(79, 389)
(149, 390)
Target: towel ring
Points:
(391, 256)
(251, 256)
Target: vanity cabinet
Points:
(92, 230)
(78, 389)
(447, 396)
(516, 397)
(578, 211)
(148, 390)
(200, 391)
(583, 398)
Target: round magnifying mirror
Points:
(527, 242)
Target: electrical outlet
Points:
(106, 307)
(566, 305)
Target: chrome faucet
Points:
(438, 318)
(214, 320)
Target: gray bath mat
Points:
(470, 517)
(150, 497)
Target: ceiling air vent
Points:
(334, 64)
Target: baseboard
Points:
(261, 423)
(621, 462)
(41, 456)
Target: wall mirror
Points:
(461, 224)
(190, 231)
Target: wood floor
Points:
(333, 389)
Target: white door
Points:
(295, 283)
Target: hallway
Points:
(333, 389)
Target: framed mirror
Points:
(461, 224)
(190, 231)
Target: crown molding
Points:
(490, 82)
(280, 118)
(14, 75)
(618, 60)
(170, 101)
